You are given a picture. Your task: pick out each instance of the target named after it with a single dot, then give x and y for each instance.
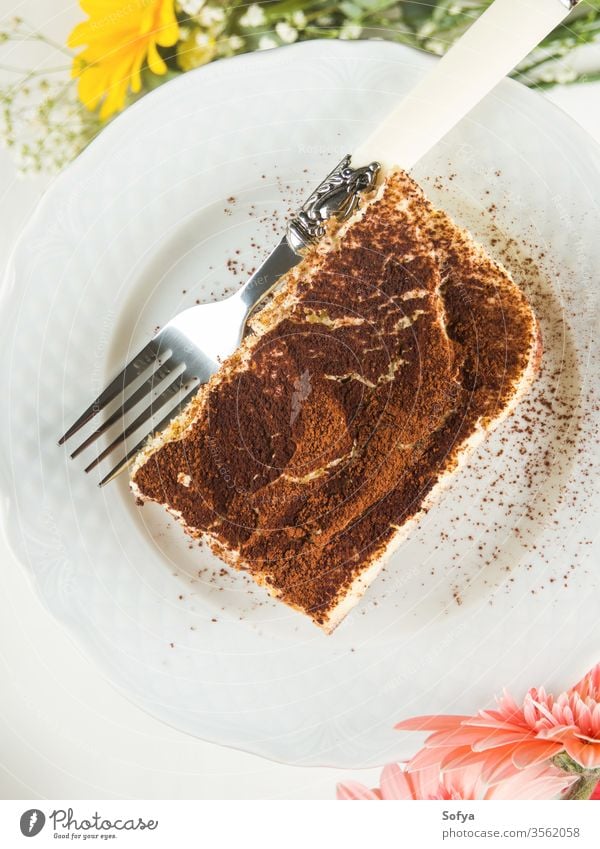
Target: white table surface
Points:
(64, 731)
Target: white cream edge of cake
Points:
(268, 317)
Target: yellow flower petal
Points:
(136, 77)
(169, 28)
(155, 61)
(91, 87)
(118, 38)
(80, 34)
(116, 95)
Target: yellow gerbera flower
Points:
(119, 35)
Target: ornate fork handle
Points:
(338, 195)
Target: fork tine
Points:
(154, 380)
(130, 455)
(129, 373)
(169, 392)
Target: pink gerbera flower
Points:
(543, 781)
(514, 737)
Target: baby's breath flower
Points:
(198, 49)
(562, 76)
(437, 47)
(236, 42)
(350, 31)
(287, 33)
(190, 7)
(253, 17)
(210, 15)
(266, 42)
(45, 125)
(427, 29)
(298, 18)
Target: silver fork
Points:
(190, 348)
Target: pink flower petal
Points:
(461, 758)
(493, 740)
(529, 712)
(355, 790)
(461, 736)
(585, 738)
(539, 782)
(499, 772)
(557, 733)
(589, 684)
(535, 751)
(424, 759)
(509, 709)
(398, 783)
(430, 723)
(582, 718)
(546, 712)
(498, 764)
(596, 718)
(464, 783)
(587, 755)
(485, 721)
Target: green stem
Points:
(583, 787)
(587, 779)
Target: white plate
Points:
(491, 590)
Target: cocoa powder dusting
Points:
(384, 352)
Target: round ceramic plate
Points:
(175, 202)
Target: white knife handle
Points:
(506, 32)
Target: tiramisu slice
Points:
(387, 352)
